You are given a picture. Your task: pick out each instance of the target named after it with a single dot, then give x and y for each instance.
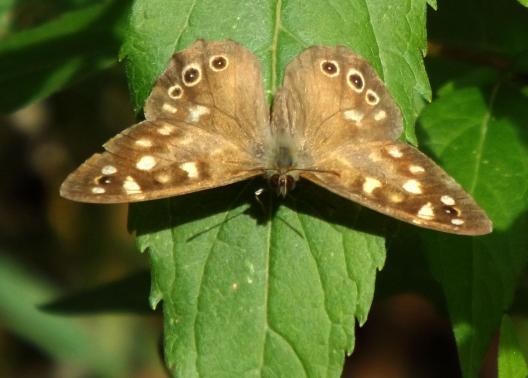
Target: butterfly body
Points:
(333, 122)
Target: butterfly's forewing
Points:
(207, 121)
(348, 122)
(329, 101)
(216, 86)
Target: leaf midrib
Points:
(274, 45)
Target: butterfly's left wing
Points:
(398, 180)
(156, 159)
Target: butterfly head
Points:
(282, 183)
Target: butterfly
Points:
(333, 122)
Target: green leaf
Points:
(277, 31)
(432, 4)
(511, 360)
(523, 2)
(478, 135)
(5, 12)
(38, 62)
(244, 295)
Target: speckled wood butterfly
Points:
(333, 122)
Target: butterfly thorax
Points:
(285, 158)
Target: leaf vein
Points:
(185, 25)
(290, 344)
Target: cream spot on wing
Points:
(457, 221)
(353, 115)
(375, 156)
(380, 115)
(108, 170)
(396, 197)
(447, 200)
(195, 112)
(146, 163)
(144, 142)
(131, 186)
(394, 152)
(191, 169)
(370, 185)
(98, 190)
(169, 108)
(163, 178)
(415, 169)
(412, 186)
(166, 129)
(426, 211)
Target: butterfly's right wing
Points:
(157, 159)
(338, 109)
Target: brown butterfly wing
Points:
(216, 86)
(156, 159)
(337, 108)
(398, 180)
(334, 95)
(207, 121)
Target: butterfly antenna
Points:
(316, 170)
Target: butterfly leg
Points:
(258, 197)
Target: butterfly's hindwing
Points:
(156, 159)
(398, 180)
